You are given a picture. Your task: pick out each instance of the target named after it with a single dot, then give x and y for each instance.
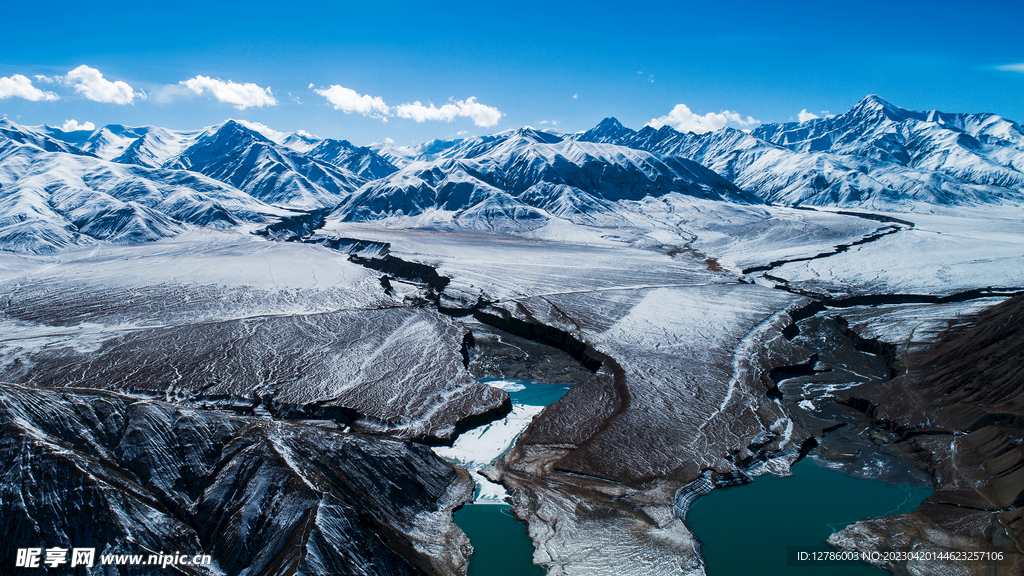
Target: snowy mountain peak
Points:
(359, 159)
(527, 177)
(874, 104)
(609, 130)
(536, 136)
(18, 134)
(275, 174)
(610, 124)
(233, 130)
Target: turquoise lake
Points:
(743, 530)
(501, 545)
(747, 529)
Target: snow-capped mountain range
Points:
(876, 156)
(527, 175)
(128, 184)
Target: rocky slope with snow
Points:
(52, 200)
(132, 476)
(358, 159)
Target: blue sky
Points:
(523, 63)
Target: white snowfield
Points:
(943, 254)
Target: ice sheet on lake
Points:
(478, 448)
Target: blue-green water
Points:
(743, 530)
(501, 545)
(747, 529)
(531, 393)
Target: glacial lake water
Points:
(743, 530)
(747, 529)
(501, 544)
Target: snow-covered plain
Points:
(942, 254)
(226, 315)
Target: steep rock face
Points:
(265, 170)
(961, 404)
(876, 155)
(529, 175)
(93, 469)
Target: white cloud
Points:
(804, 115)
(683, 119)
(482, 115)
(348, 100)
(241, 96)
(90, 83)
(1012, 67)
(389, 141)
(44, 79)
(265, 130)
(73, 125)
(575, 95)
(21, 87)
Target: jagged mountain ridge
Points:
(157, 146)
(294, 170)
(876, 155)
(979, 148)
(266, 170)
(528, 175)
(358, 159)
